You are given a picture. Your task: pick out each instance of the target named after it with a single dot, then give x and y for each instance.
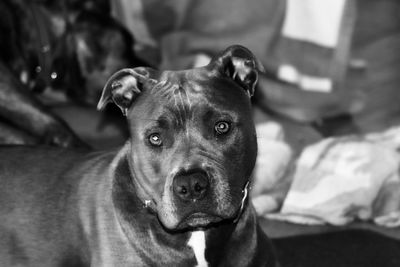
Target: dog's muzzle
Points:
(190, 189)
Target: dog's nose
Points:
(191, 185)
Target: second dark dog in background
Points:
(68, 46)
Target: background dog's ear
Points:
(123, 87)
(239, 63)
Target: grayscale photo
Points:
(199, 133)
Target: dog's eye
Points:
(155, 139)
(222, 127)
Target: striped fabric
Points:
(309, 36)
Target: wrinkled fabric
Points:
(339, 180)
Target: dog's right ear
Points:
(123, 87)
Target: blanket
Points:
(339, 180)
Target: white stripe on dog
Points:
(198, 243)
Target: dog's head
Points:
(192, 136)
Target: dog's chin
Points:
(199, 220)
(194, 221)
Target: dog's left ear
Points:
(123, 87)
(239, 63)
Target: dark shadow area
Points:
(349, 248)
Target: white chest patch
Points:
(198, 243)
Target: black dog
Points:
(72, 46)
(176, 194)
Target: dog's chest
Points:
(197, 242)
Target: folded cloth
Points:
(338, 180)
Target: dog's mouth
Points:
(199, 220)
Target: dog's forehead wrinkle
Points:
(163, 89)
(147, 119)
(188, 81)
(176, 101)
